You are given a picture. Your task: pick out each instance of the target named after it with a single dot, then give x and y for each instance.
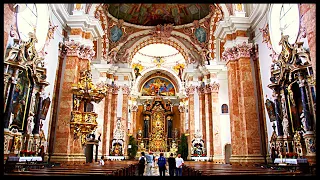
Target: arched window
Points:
(33, 18)
(284, 18)
(224, 108)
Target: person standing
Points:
(141, 164)
(150, 160)
(101, 162)
(179, 164)
(172, 164)
(162, 165)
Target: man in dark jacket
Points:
(162, 165)
(141, 164)
(172, 164)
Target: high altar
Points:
(157, 134)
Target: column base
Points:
(246, 159)
(68, 159)
(218, 159)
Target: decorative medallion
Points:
(200, 34)
(116, 33)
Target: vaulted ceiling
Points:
(154, 14)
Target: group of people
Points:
(148, 161)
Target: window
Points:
(224, 108)
(284, 18)
(34, 16)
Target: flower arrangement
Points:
(27, 153)
(289, 155)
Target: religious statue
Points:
(141, 146)
(169, 119)
(136, 72)
(239, 7)
(148, 105)
(168, 106)
(139, 134)
(285, 125)
(111, 58)
(76, 103)
(174, 148)
(30, 122)
(146, 126)
(175, 133)
(304, 122)
(205, 55)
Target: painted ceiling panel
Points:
(154, 14)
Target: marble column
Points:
(251, 131)
(208, 122)
(202, 105)
(67, 149)
(307, 124)
(217, 149)
(124, 119)
(182, 118)
(278, 112)
(114, 104)
(245, 131)
(134, 110)
(190, 92)
(106, 133)
(235, 125)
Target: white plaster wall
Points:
(51, 64)
(119, 104)
(225, 131)
(265, 62)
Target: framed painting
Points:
(20, 101)
(271, 110)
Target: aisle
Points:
(155, 171)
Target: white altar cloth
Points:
(35, 158)
(115, 158)
(290, 161)
(24, 159)
(200, 158)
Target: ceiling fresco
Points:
(154, 14)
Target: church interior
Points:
(220, 84)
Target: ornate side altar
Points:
(198, 150)
(116, 151)
(294, 106)
(25, 105)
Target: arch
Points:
(147, 40)
(225, 10)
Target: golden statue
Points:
(239, 7)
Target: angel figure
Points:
(111, 58)
(205, 55)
